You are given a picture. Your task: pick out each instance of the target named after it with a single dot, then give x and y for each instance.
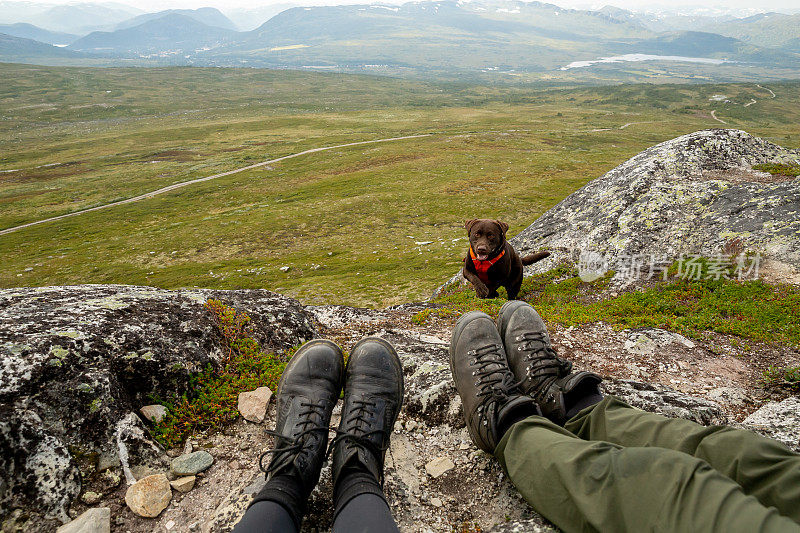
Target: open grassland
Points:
(348, 222)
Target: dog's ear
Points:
(469, 223)
(503, 226)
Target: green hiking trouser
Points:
(615, 468)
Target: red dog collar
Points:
(482, 267)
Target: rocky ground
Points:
(436, 480)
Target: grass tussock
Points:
(788, 377)
(212, 397)
(749, 309)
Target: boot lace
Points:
(544, 365)
(495, 385)
(308, 425)
(357, 435)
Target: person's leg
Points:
(366, 513)
(763, 467)
(600, 486)
(266, 517)
(373, 395)
(307, 391)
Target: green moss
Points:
(749, 309)
(212, 397)
(95, 406)
(779, 169)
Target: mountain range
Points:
(442, 37)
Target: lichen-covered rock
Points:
(76, 363)
(778, 420)
(665, 401)
(695, 194)
(34, 466)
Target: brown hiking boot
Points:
(491, 398)
(543, 375)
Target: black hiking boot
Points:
(543, 375)
(307, 392)
(491, 398)
(373, 395)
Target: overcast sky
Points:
(640, 5)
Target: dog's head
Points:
(487, 237)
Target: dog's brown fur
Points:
(488, 238)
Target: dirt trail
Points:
(182, 184)
(715, 117)
(766, 89)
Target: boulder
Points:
(77, 362)
(149, 496)
(695, 194)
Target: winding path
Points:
(715, 117)
(766, 89)
(182, 184)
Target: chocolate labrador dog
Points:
(491, 261)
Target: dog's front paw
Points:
(481, 291)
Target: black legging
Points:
(366, 513)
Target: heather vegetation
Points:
(365, 225)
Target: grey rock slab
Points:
(77, 362)
(149, 496)
(734, 396)
(96, 520)
(778, 420)
(192, 463)
(665, 401)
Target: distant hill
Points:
(166, 35)
(19, 50)
(429, 35)
(454, 39)
(83, 18)
(506, 36)
(765, 29)
(207, 15)
(704, 44)
(29, 31)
